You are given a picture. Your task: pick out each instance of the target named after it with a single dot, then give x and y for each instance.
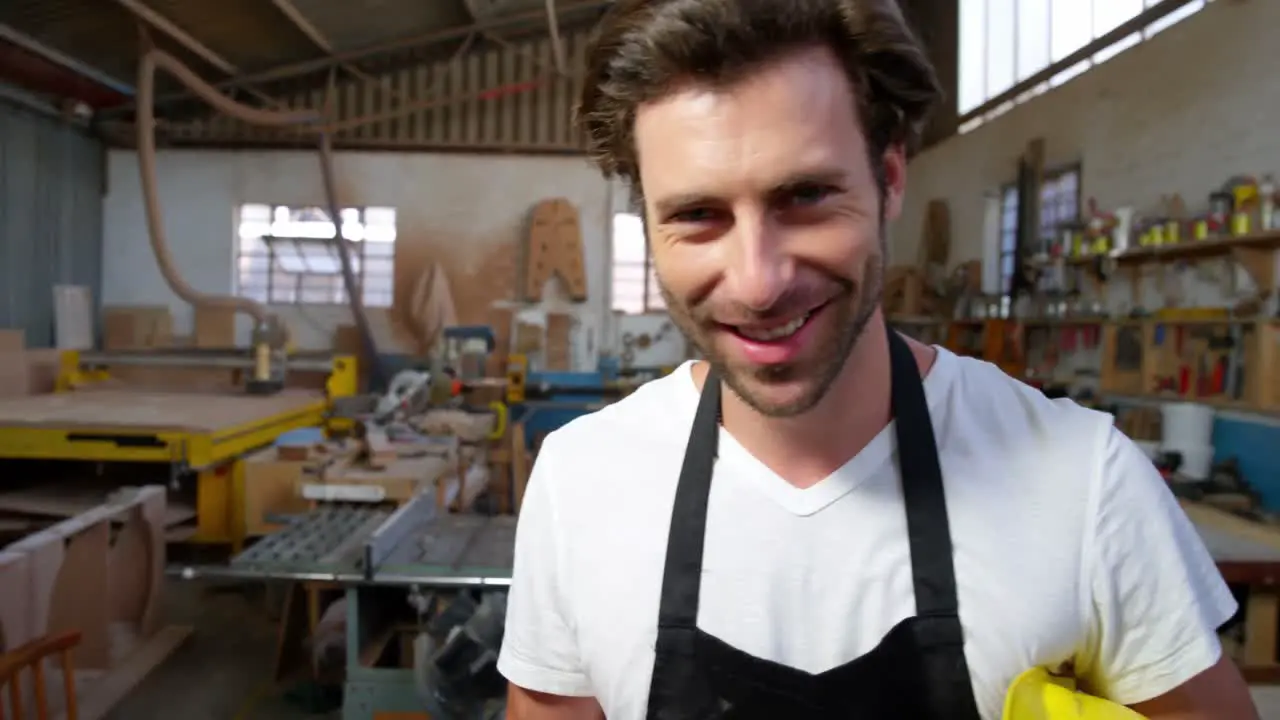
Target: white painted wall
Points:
(1179, 113)
(459, 199)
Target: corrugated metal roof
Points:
(289, 43)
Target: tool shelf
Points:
(1225, 362)
(1254, 252)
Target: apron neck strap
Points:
(932, 568)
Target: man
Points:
(873, 545)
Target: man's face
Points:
(765, 219)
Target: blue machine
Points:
(553, 399)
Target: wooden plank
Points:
(68, 499)
(1231, 538)
(157, 411)
(1262, 623)
(107, 692)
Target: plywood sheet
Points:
(555, 248)
(149, 410)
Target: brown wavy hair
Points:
(642, 48)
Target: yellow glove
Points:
(1037, 695)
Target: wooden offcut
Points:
(555, 249)
(214, 326)
(558, 346)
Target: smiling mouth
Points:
(776, 333)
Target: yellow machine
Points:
(517, 375)
(201, 435)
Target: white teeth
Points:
(776, 333)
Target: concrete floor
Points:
(223, 671)
(1268, 701)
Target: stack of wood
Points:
(917, 290)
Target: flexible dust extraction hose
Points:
(147, 65)
(355, 294)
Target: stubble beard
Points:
(852, 310)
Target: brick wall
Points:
(1180, 112)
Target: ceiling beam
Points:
(28, 70)
(411, 42)
(36, 47)
(166, 26)
(304, 25)
(417, 41)
(313, 34)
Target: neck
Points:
(808, 447)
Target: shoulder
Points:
(980, 408)
(658, 410)
(633, 445)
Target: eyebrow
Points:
(831, 176)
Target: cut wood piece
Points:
(107, 692)
(43, 552)
(519, 465)
(558, 349)
(66, 499)
(555, 248)
(80, 594)
(375, 449)
(214, 326)
(432, 307)
(468, 427)
(79, 576)
(501, 320)
(935, 240)
(15, 607)
(136, 327)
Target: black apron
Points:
(917, 672)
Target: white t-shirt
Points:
(1069, 549)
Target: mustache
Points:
(793, 302)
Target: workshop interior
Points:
(291, 291)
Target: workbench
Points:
(381, 558)
(200, 435)
(1248, 555)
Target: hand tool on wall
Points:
(1235, 364)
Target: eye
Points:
(806, 194)
(694, 215)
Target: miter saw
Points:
(409, 393)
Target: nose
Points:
(760, 270)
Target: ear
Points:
(895, 180)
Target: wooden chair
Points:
(32, 656)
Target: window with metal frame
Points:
(287, 256)
(1014, 50)
(635, 281)
(1059, 206)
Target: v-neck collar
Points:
(737, 464)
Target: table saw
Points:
(415, 574)
(198, 435)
